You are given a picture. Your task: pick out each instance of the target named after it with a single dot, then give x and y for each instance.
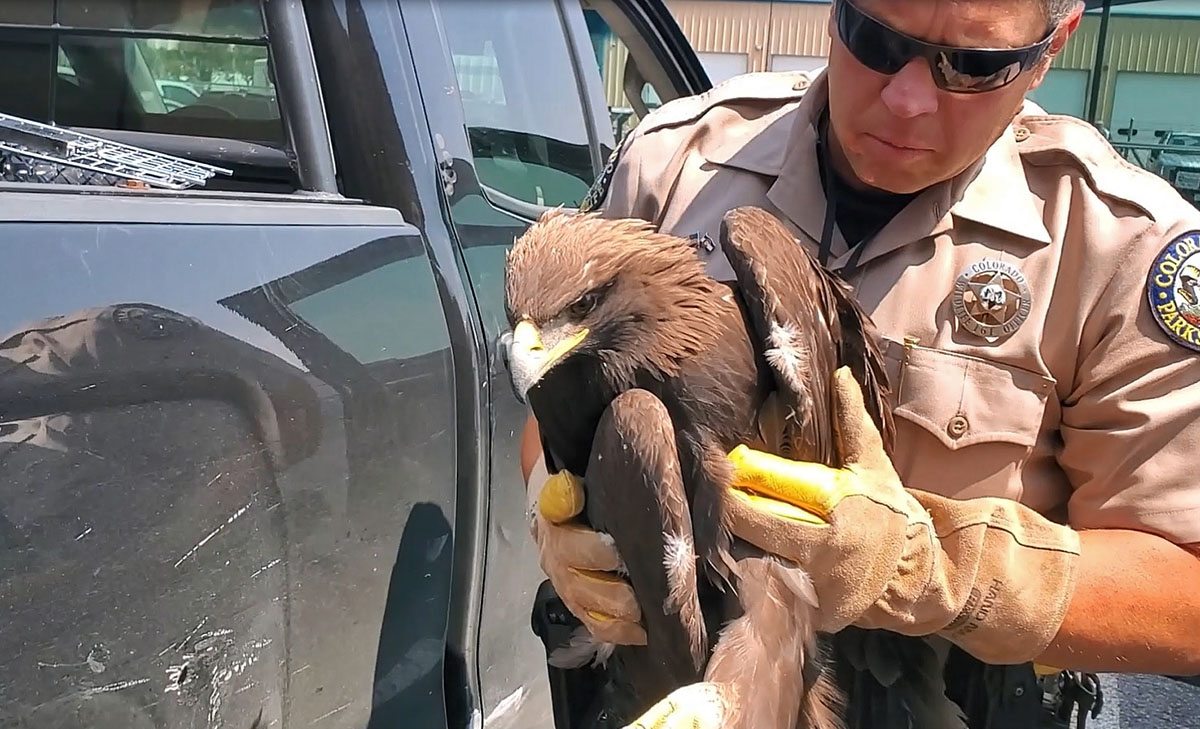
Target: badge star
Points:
(993, 300)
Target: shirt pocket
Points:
(964, 400)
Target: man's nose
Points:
(911, 92)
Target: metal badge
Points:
(991, 299)
(1173, 288)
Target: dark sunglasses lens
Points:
(874, 45)
(976, 71)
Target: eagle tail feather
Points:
(764, 655)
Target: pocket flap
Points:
(964, 400)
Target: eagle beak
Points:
(530, 357)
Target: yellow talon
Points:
(775, 483)
(561, 498)
(598, 575)
(778, 508)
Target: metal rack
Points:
(34, 152)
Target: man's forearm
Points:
(1136, 607)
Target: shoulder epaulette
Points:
(767, 86)
(1055, 136)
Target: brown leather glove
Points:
(988, 574)
(582, 564)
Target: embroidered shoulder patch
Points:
(1173, 288)
(599, 189)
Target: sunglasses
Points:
(958, 70)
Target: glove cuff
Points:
(1002, 574)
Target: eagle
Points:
(643, 373)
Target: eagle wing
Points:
(635, 493)
(810, 324)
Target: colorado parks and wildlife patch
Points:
(1173, 288)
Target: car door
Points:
(525, 99)
(235, 421)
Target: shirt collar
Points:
(783, 144)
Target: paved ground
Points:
(1147, 702)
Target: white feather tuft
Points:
(679, 559)
(582, 649)
(788, 355)
(611, 543)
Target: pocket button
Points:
(958, 426)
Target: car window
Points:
(521, 101)
(166, 66)
(627, 92)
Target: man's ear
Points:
(1066, 29)
(1062, 35)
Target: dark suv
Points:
(258, 463)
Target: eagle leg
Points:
(635, 493)
(769, 660)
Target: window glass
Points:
(208, 75)
(521, 101)
(40, 12)
(627, 92)
(225, 18)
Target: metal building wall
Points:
(1139, 44)
(722, 26)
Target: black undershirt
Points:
(859, 213)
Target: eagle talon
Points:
(561, 498)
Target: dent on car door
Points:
(520, 99)
(226, 470)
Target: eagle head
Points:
(615, 292)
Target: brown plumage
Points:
(643, 372)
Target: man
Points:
(1046, 386)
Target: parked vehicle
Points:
(258, 462)
(1179, 164)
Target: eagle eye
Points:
(584, 305)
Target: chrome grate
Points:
(37, 152)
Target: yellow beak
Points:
(530, 356)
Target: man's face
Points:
(902, 133)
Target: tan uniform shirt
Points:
(1045, 375)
